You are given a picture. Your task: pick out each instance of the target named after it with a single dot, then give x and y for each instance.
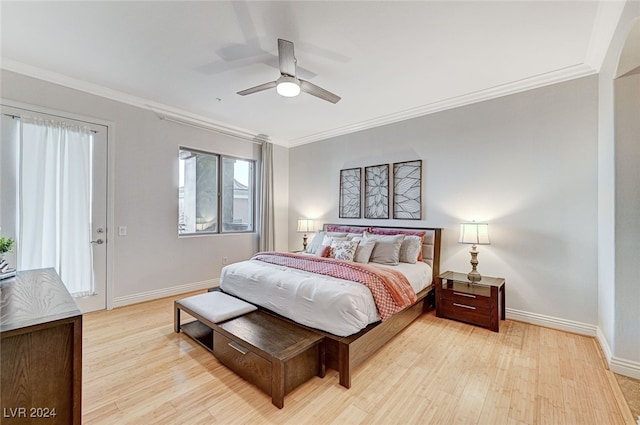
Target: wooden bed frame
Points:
(344, 354)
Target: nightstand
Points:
(480, 303)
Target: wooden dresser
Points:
(40, 351)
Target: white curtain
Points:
(9, 145)
(267, 227)
(55, 201)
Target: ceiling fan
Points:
(288, 84)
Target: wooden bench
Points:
(275, 355)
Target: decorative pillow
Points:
(406, 232)
(323, 251)
(364, 250)
(387, 248)
(410, 249)
(319, 238)
(328, 239)
(346, 229)
(343, 250)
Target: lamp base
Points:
(474, 276)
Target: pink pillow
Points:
(348, 229)
(385, 231)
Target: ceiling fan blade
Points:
(316, 91)
(286, 57)
(256, 89)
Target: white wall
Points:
(525, 163)
(618, 200)
(151, 260)
(627, 295)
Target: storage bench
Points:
(275, 355)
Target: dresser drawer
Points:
(466, 299)
(465, 311)
(243, 361)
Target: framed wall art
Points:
(350, 188)
(407, 190)
(376, 191)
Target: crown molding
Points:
(192, 120)
(184, 117)
(604, 27)
(541, 80)
(163, 111)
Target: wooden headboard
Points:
(430, 246)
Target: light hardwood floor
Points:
(138, 371)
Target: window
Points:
(213, 186)
(237, 195)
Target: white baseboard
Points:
(604, 344)
(165, 292)
(551, 322)
(616, 364)
(625, 367)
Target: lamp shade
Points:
(305, 225)
(474, 233)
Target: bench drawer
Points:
(239, 358)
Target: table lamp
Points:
(475, 234)
(305, 225)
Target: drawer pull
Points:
(238, 347)
(464, 295)
(464, 306)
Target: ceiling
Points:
(387, 60)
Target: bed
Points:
(342, 310)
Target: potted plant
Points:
(6, 245)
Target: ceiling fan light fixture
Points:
(288, 86)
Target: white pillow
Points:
(328, 239)
(343, 250)
(410, 249)
(387, 248)
(317, 240)
(364, 250)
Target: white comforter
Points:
(337, 306)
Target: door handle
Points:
(99, 242)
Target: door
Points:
(54, 199)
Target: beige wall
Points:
(151, 260)
(525, 163)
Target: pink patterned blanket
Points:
(391, 290)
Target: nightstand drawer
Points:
(465, 311)
(466, 298)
